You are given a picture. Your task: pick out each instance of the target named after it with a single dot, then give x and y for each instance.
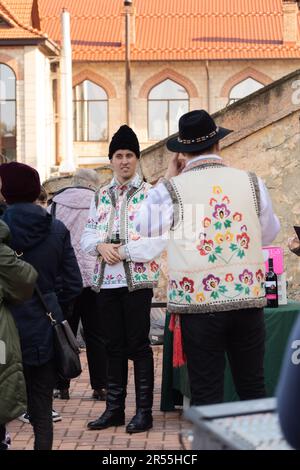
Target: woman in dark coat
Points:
(45, 244)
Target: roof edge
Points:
(32, 30)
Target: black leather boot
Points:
(114, 414)
(144, 382)
(108, 419)
(99, 394)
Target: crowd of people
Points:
(94, 254)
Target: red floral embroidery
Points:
(259, 275)
(243, 240)
(229, 277)
(237, 216)
(154, 267)
(206, 247)
(206, 222)
(134, 236)
(187, 285)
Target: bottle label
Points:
(271, 290)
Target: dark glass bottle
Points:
(116, 238)
(271, 286)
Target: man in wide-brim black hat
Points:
(219, 217)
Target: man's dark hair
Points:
(43, 196)
(196, 154)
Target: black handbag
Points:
(66, 347)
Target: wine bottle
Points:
(115, 238)
(271, 286)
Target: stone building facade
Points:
(27, 109)
(247, 44)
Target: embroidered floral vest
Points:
(138, 275)
(215, 254)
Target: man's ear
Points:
(182, 157)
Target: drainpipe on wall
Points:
(55, 92)
(207, 86)
(127, 5)
(66, 104)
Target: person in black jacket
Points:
(288, 389)
(44, 243)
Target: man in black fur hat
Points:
(124, 276)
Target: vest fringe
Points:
(222, 307)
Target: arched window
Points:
(90, 112)
(7, 112)
(166, 103)
(244, 88)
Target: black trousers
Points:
(125, 324)
(206, 338)
(40, 381)
(86, 309)
(125, 319)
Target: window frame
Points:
(88, 121)
(150, 139)
(10, 100)
(234, 100)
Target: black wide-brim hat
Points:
(197, 132)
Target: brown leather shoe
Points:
(99, 394)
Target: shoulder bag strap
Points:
(42, 300)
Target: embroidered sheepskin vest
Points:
(215, 254)
(138, 275)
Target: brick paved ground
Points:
(71, 433)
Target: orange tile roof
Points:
(18, 15)
(21, 9)
(173, 29)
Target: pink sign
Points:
(275, 252)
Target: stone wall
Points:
(266, 140)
